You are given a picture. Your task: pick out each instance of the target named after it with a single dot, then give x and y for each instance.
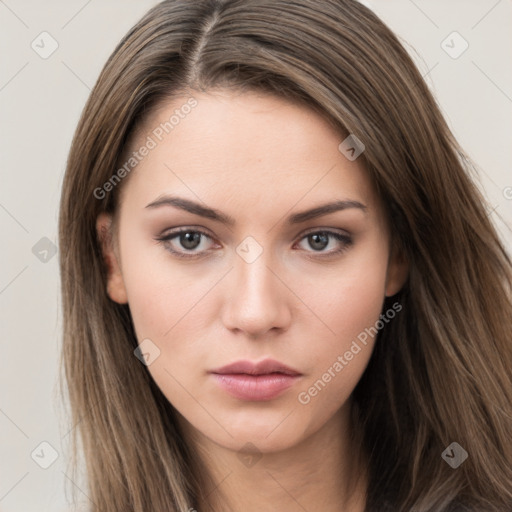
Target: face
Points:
(220, 263)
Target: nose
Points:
(257, 300)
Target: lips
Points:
(262, 368)
(250, 381)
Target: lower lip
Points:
(255, 387)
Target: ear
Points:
(115, 284)
(398, 270)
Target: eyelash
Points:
(345, 239)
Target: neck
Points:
(323, 472)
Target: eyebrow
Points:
(210, 213)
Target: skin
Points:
(257, 159)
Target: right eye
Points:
(188, 240)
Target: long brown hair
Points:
(439, 373)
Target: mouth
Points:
(251, 381)
(265, 367)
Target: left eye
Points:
(190, 240)
(319, 240)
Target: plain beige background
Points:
(40, 103)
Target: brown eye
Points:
(319, 240)
(188, 240)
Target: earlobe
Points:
(115, 284)
(398, 270)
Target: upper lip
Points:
(260, 368)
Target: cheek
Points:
(349, 299)
(160, 293)
(350, 305)
(355, 301)
(172, 310)
(168, 304)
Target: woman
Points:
(281, 289)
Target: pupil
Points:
(189, 239)
(324, 240)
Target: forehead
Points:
(243, 149)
